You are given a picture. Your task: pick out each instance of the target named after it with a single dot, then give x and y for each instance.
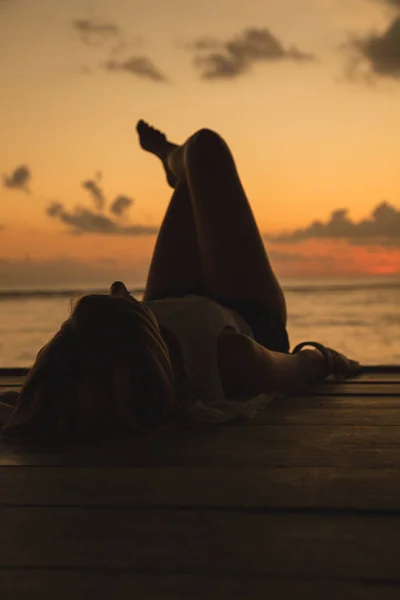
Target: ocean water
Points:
(359, 318)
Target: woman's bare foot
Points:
(154, 141)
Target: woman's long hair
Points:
(107, 370)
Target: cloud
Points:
(381, 52)
(381, 229)
(395, 3)
(120, 205)
(95, 33)
(234, 57)
(95, 192)
(204, 43)
(84, 220)
(139, 66)
(19, 179)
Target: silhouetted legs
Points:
(209, 242)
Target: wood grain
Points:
(20, 584)
(328, 488)
(268, 445)
(304, 501)
(202, 541)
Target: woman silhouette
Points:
(208, 340)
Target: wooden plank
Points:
(268, 445)
(330, 416)
(357, 389)
(20, 584)
(302, 400)
(212, 541)
(11, 381)
(273, 488)
(330, 388)
(313, 410)
(367, 369)
(15, 371)
(380, 377)
(314, 416)
(381, 368)
(359, 403)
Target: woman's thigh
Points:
(235, 262)
(176, 265)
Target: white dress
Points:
(197, 322)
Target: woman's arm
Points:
(247, 368)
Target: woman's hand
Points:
(341, 366)
(118, 288)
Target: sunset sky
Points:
(306, 92)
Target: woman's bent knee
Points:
(206, 143)
(206, 138)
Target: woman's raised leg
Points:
(211, 223)
(235, 263)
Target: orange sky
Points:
(307, 140)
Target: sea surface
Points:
(360, 318)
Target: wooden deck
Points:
(304, 502)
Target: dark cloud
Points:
(205, 43)
(19, 179)
(381, 52)
(382, 228)
(395, 3)
(84, 220)
(140, 66)
(95, 33)
(234, 57)
(95, 192)
(120, 205)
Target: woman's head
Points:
(107, 370)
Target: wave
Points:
(297, 289)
